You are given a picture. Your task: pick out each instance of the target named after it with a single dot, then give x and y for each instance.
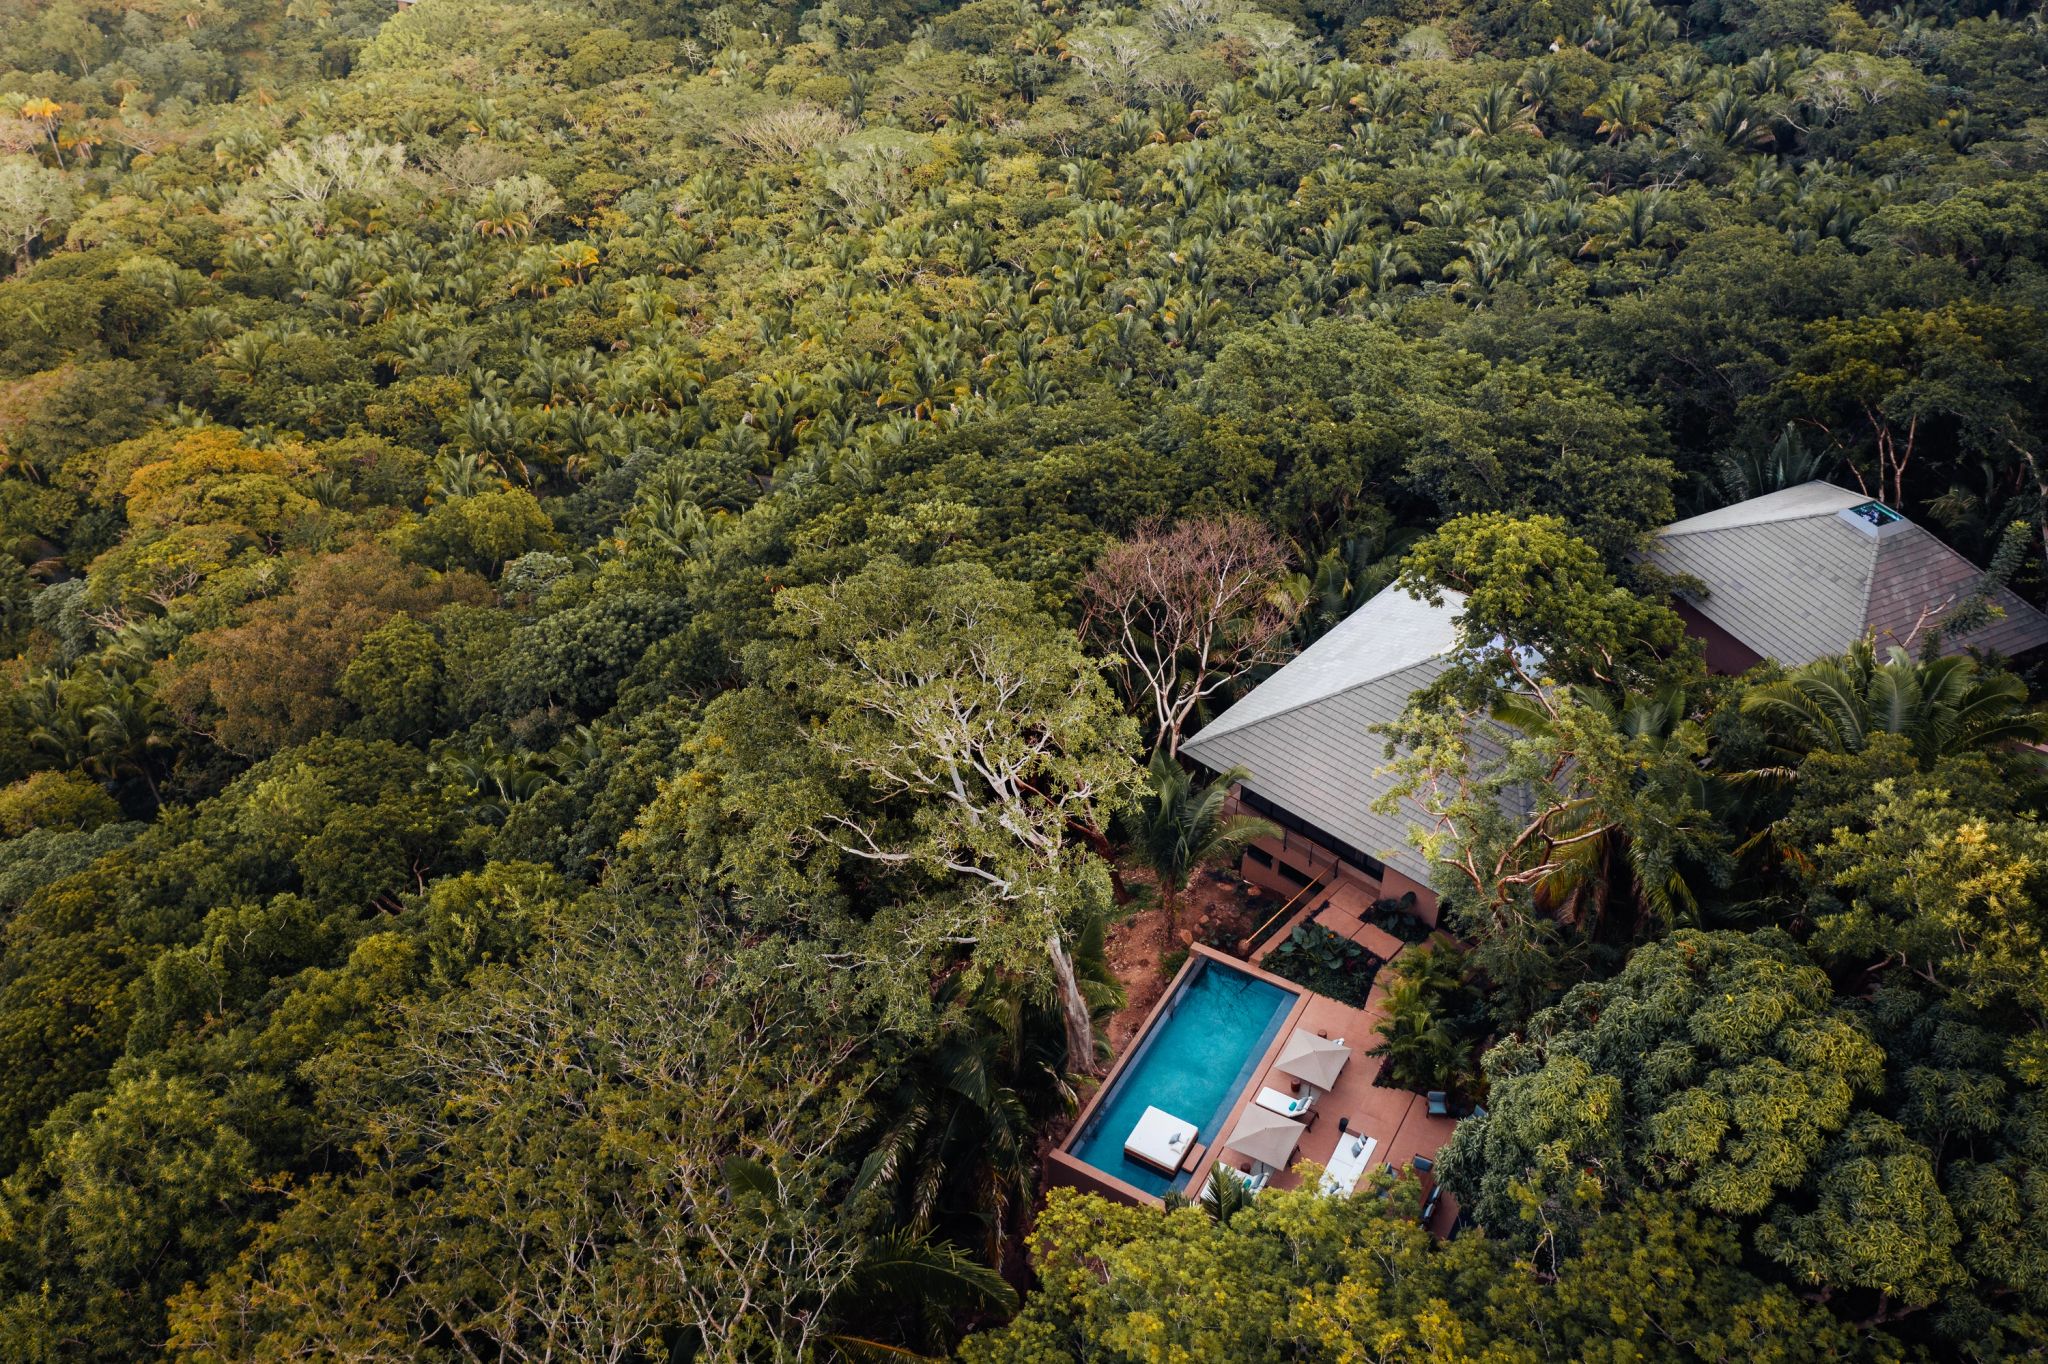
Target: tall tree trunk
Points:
(1073, 1008)
(1099, 844)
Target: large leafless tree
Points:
(1188, 609)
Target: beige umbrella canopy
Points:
(1265, 1136)
(1315, 1059)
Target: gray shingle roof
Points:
(1306, 733)
(1796, 576)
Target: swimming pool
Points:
(1193, 1061)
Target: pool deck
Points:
(1398, 1119)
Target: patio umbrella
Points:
(1315, 1059)
(1265, 1136)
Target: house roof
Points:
(1306, 733)
(1805, 572)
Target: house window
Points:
(1295, 824)
(1259, 855)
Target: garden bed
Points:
(1317, 959)
(1395, 916)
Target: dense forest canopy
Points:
(568, 750)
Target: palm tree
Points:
(1226, 1195)
(58, 718)
(905, 1281)
(957, 1143)
(127, 728)
(1787, 464)
(1628, 219)
(1942, 706)
(1387, 266)
(1497, 111)
(1182, 828)
(495, 778)
(1622, 109)
(1437, 968)
(1422, 1052)
(1633, 819)
(954, 1150)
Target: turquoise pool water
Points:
(1196, 1059)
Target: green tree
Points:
(647, 1130)
(150, 1176)
(1951, 892)
(1539, 604)
(1940, 706)
(945, 696)
(54, 800)
(33, 200)
(397, 681)
(271, 679)
(1527, 441)
(1297, 1276)
(1720, 1067)
(1179, 828)
(481, 533)
(1878, 386)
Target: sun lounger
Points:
(1160, 1140)
(1351, 1159)
(1252, 1182)
(1291, 1105)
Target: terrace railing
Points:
(1250, 943)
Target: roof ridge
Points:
(1877, 564)
(1391, 633)
(1813, 499)
(1674, 531)
(1303, 704)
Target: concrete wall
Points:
(1063, 1171)
(1395, 885)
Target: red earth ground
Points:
(1213, 909)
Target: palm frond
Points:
(908, 1268)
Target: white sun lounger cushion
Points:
(1348, 1162)
(1160, 1140)
(1287, 1104)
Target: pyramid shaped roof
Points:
(1805, 572)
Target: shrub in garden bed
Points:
(1319, 960)
(1397, 916)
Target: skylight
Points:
(1873, 518)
